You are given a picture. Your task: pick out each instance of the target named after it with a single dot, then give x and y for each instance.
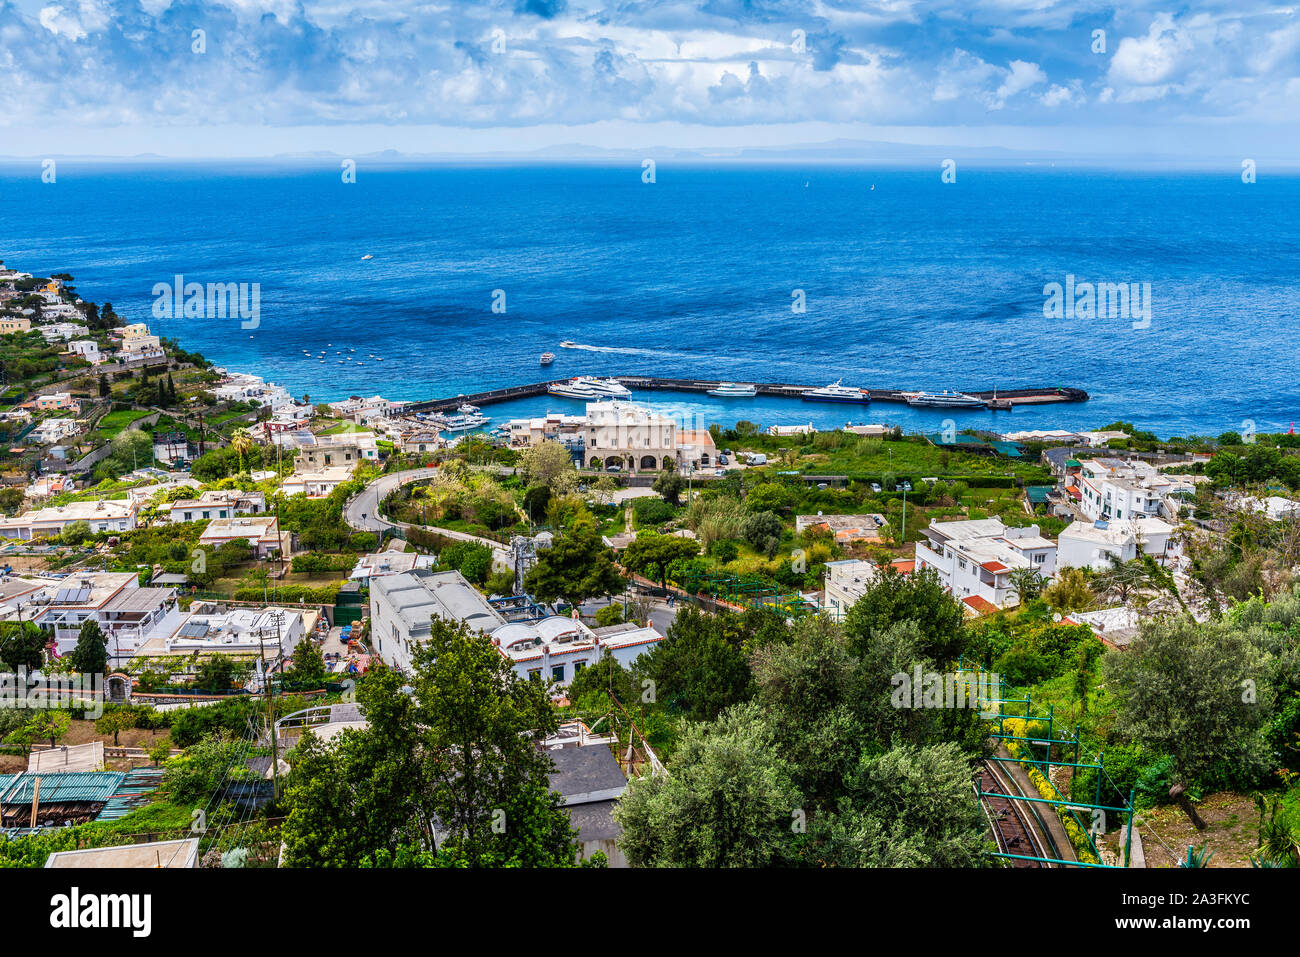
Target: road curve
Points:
(362, 513)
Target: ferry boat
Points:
(602, 386)
(573, 390)
(732, 390)
(548, 358)
(836, 393)
(945, 400)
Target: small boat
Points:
(573, 390)
(548, 358)
(567, 344)
(367, 256)
(467, 409)
(602, 386)
(945, 400)
(836, 393)
(732, 390)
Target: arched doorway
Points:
(648, 462)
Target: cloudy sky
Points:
(123, 76)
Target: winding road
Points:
(362, 513)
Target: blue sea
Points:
(908, 282)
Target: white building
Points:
(1112, 488)
(975, 558)
(242, 387)
(88, 349)
(1087, 544)
(317, 483)
(260, 532)
(388, 562)
(557, 648)
(63, 330)
(218, 503)
(401, 607)
(53, 430)
(107, 515)
(846, 581)
(346, 449)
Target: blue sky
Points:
(350, 76)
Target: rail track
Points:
(1015, 825)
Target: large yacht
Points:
(602, 386)
(945, 400)
(461, 421)
(575, 389)
(836, 393)
(732, 390)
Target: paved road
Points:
(362, 513)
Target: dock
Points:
(993, 399)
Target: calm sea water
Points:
(909, 283)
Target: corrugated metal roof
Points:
(65, 787)
(133, 792)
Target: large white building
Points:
(401, 607)
(975, 558)
(1112, 488)
(1088, 544)
(107, 515)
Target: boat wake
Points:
(621, 350)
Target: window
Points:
(534, 674)
(557, 672)
(578, 666)
(207, 514)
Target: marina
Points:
(581, 388)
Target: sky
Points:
(268, 77)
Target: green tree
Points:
(762, 531)
(216, 673)
(22, 645)
(892, 597)
(308, 665)
(652, 554)
(90, 656)
(160, 750)
(114, 722)
(700, 668)
(670, 486)
(729, 801)
(576, 567)
(1193, 691)
(488, 781)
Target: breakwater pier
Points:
(992, 399)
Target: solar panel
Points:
(194, 629)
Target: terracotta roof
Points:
(981, 606)
(993, 566)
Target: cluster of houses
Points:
(147, 620)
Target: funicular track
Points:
(1015, 825)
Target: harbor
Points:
(991, 399)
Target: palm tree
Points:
(1028, 583)
(241, 442)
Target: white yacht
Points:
(602, 386)
(732, 390)
(574, 389)
(462, 421)
(836, 393)
(945, 400)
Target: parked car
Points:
(906, 486)
(875, 486)
(720, 472)
(723, 460)
(821, 486)
(614, 468)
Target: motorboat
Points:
(732, 390)
(548, 358)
